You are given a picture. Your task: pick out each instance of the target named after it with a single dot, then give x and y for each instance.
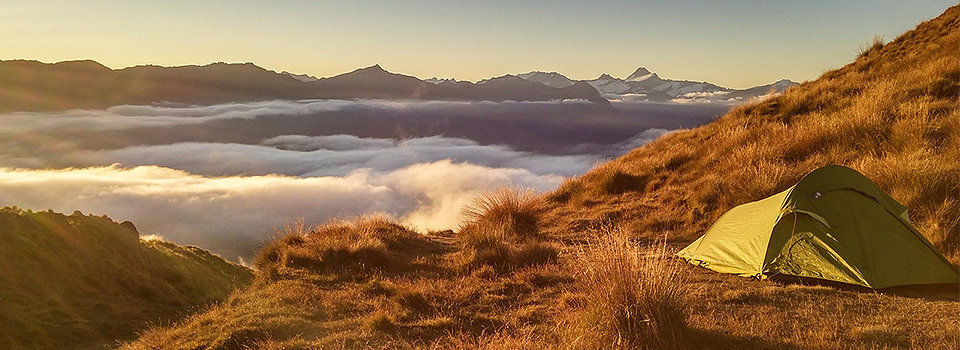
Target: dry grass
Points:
(370, 283)
(506, 214)
(368, 245)
(633, 300)
(501, 229)
(607, 293)
(875, 45)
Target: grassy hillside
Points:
(893, 114)
(570, 270)
(371, 283)
(79, 281)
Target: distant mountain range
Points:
(644, 85)
(35, 86)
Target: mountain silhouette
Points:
(35, 86)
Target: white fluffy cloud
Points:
(643, 138)
(233, 215)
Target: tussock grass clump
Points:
(568, 189)
(617, 182)
(634, 297)
(502, 230)
(875, 45)
(503, 214)
(381, 322)
(535, 253)
(413, 303)
(504, 257)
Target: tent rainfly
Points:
(835, 224)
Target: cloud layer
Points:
(129, 116)
(232, 215)
(335, 155)
(228, 196)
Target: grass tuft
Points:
(618, 182)
(381, 322)
(413, 303)
(501, 230)
(875, 45)
(504, 214)
(635, 297)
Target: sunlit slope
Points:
(892, 114)
(82, 281)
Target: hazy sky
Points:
(732, 43)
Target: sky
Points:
(732, 43)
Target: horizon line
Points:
(282, 71)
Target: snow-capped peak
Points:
(301, 77)
(644, 85)
(785, 83)
(642, 74)
(438, 81)
(605, 77)
(552, 79)
(639, 73)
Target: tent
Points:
(835, 224)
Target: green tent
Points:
(835, 224)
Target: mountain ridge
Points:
(29, 85)
(644, 85)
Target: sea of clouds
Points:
(229, 197)
(232, 215)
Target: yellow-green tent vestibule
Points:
(835, 224)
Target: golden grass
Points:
(875, 45)
(363, 246)
(504, 214)
(370, 283)
(501, 229)
(633, 299)
(608, 292)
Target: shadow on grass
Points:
(932, 292)
(927, 292)
(709, 339)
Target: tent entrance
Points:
(803, 246)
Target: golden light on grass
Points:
(635, 296)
